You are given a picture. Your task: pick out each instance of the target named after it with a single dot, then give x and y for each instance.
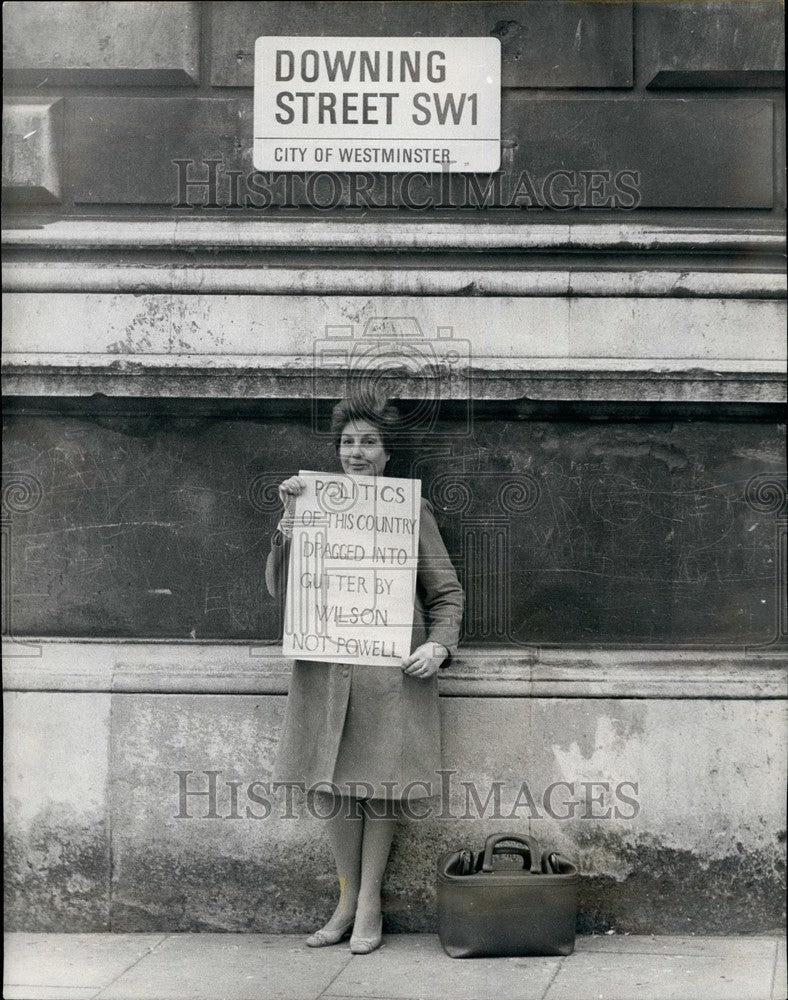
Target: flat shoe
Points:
(323, 937)
(363, 946)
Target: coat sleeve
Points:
(276, 566)
(437, 582)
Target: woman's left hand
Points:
(425, 660)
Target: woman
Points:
(371, 732)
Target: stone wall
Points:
(105, 99)
(622, 271)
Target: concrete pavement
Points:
(407, 967)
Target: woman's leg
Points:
(380, 821)
(345, 832)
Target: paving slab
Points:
(407, 967)
(415, 965)
(231, 967)
(49, 992)
(594, 976)
(72, 961)
(780, 984)
(756, 948)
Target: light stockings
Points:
(360, 836)
(345, 834)
(379, 829)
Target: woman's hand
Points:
(288, 491)
(425, 660)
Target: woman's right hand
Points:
(289, 489)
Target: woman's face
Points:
(361, 450)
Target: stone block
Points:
(123, 150)
(711, 44)
(243, 967)
(546, 44)
(72, 961)
(584, 154)
(32, 142)
(683, 153)
(555, 44)
(393, 972)
(120, 44)
(696, 844)
(192, 330)
(704, 827)
(187, 860)
(57, 837)
(666, 977)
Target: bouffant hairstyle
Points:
(372, 407)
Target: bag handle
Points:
(492, 842)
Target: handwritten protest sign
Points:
(352, 576)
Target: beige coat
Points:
(375, 726)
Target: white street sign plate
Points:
(377, 105)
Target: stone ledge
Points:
(236, 234)
(667, 381)
(168, 667)
(325, 331)
(62, 276)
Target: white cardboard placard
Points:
(352, 572)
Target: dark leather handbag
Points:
(486, 908)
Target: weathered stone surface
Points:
(32, 143)
(157, 666)
(52, 44)
(123, 150)
(546, 44)
(556, 44)
(706, 836)
(711, 44)
(696, 844)
(219, 867)
(262, 279)
(681, 154)
(603, 154)
(191, 328)
(592, 243)
(56, 812)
